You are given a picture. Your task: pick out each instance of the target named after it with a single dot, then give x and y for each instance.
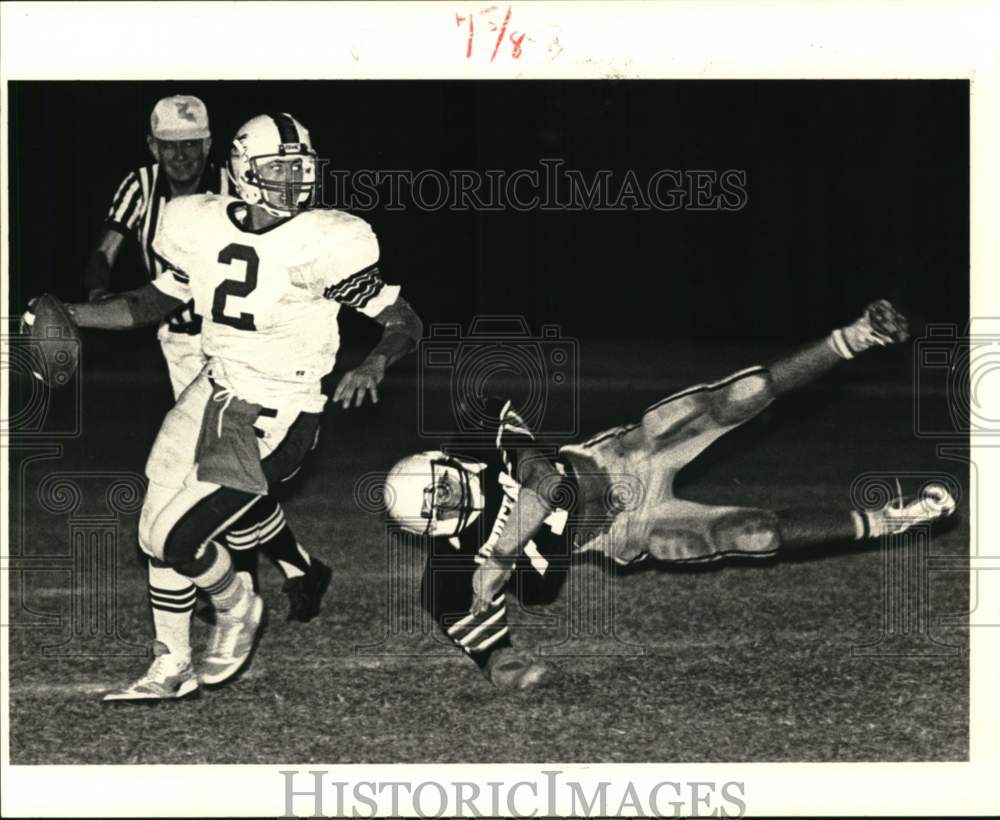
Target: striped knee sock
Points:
(171, 598)
(264, 525)
(277, 541)
(482, 634)
(218, 578)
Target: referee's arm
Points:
(122, 217)
(97, 270)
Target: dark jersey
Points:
(447, 589)
(510, 441)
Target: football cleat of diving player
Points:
(489, 512)
(269, 275)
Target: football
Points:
(55, 339)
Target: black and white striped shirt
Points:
(139, 201)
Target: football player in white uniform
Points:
(179, 140)
(269, 276)
(614, 493)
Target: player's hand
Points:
(363, 380)
(487, 582)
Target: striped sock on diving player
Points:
(482, 634)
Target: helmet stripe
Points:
(287, 132)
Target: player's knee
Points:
(176, 540)
(742, 398)
(147, 541)
(156, 500)
(751, 532)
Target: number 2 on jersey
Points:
(236, 287)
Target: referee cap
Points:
(181, 117)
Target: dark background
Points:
(856, 189)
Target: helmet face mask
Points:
(434, 494)
(273, 165)
(291, 188)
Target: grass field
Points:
(736, 663)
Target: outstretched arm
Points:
(135, 308)
(880, 325)
(539, 481)
(402, 331)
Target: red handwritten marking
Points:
(517, 44)
(458, 22)
(516, 38)
(503, 31)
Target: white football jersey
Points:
(269, 298)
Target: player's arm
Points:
(402, 329)
(135, 308)
(539, 480)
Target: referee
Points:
(180, 140)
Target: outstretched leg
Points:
(880, 325)
(684, 532)
(802, 529)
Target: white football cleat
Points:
(880, 325)
(933, 503)
(234, 638)
(886, 324)
(169, 677)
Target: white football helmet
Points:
(434, 494)
(262, 140)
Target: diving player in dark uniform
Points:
(614, 494)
